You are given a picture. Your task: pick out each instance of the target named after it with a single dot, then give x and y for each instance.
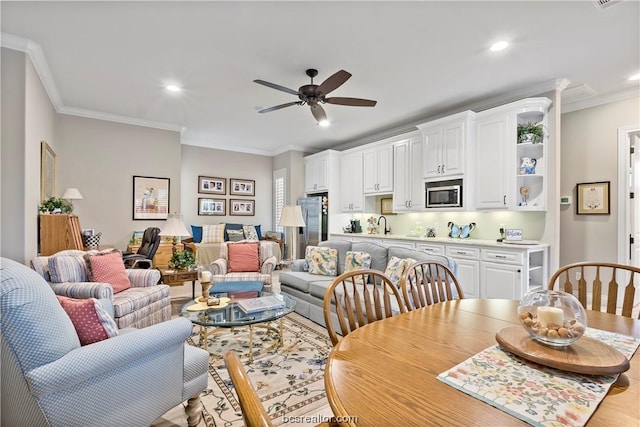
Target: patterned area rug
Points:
(289, 379)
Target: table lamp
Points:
(71, 194)
(291, 216)
(174, 227)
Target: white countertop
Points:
(444, 240)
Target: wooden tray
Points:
(201, 306)
(584, 356)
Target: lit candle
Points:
(548, 315)
(205, 276)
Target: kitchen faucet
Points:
(386, 230)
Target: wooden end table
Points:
(178, 277)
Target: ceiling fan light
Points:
(635, 77)
(324, 123)
(498, 46)
(173, 88)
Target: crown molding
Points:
(99, 115)
(205, 144)
(35, 53)
(568, 107)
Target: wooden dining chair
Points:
(253, 412)
(349, 303)
(587, 279)
(429, 282)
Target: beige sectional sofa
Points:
(308, 289)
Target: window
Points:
(278, 197)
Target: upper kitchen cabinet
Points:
(318, 169)
(408, 190)
(446, 145)
(378, 169)
(351, 197)
(511, 172)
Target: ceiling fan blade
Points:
(277, 107)
(318, 113)
(277, 87)
(354, 102)
(333, 82)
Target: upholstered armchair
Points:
(50, 379)
(244, 261)
(144, 304)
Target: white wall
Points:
(100, 158)
(589, 154)
(198, 161)
(27, 118)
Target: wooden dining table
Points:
(385, 373)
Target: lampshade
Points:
(291, 216)
(174, 226)
(72, 194)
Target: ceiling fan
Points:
(314, 95)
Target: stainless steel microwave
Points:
(444, 194)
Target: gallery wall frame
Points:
(150, 198)
(47, 171)
(593, 198)
(242, 187)
(215, 207)
(212, 185)
(242, 207)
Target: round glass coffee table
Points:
(229, 315)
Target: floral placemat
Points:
(534, 393)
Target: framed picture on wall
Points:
(150, 198)
(212, 206)
(242, 207)
(593, 198)
(211, 185)
(47, 171)
(242, 187)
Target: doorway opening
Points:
(629, 195)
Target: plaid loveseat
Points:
(145, 303)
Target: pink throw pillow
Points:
(108, 267)
(243, 257)
(91, 321)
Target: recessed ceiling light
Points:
(635, 77)
(498, 46)
(324, 123)
(173, 88)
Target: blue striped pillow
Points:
(67, 269)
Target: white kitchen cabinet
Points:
(351, 197)
(408, 191)
(468, 273)
(501, 281)
(378, 169)
(317, 170)
(499, 182)
(446, 142)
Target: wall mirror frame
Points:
(47, 171)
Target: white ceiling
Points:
(417, 59)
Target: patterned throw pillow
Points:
(322, 261)
(395, 268)
(243, 257)
(408, 263)
(108, 267)
(235, 235)
(250, 232)
(67, 269)
(91, 321)
(213, 233)
(356, 260)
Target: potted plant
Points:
(182, 260)
(530, 132)
(55, 205)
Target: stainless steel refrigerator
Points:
(315, 213)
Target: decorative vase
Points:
(552, 317)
